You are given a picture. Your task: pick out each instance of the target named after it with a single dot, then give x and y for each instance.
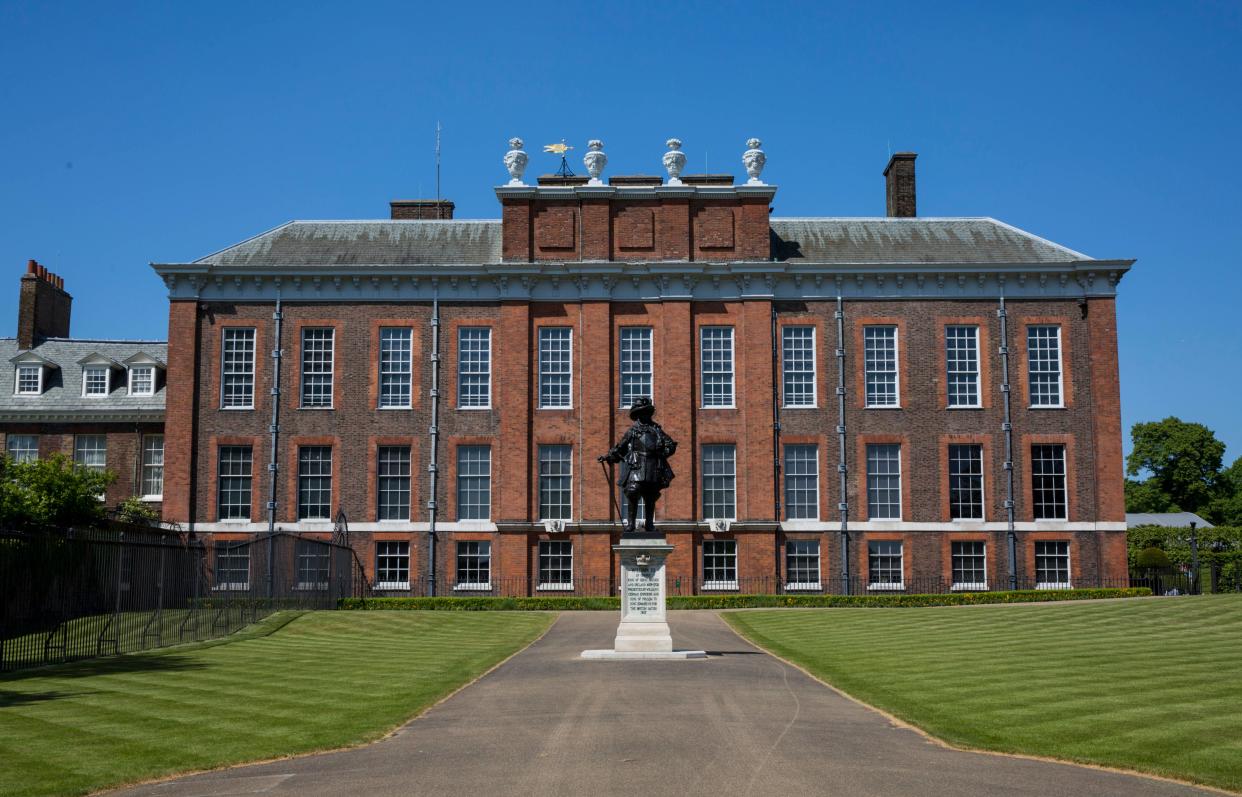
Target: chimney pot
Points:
(899, 185)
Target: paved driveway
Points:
(739, 722)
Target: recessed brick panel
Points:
(555, 228)
(636, 228)
(714, 228)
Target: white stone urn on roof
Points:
(515, 161)
(674, 161)
(595, 160)
(754, 159)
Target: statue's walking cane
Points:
(612, 492)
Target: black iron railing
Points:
(82, 593)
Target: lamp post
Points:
(1194, 559)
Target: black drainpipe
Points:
(433, 465)
(842, 462)
(1007, 428)
(273, 468)
(776, 446)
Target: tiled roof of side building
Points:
(810, 240)
(62, 387)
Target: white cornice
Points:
(642, 281)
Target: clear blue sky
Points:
(132, 133)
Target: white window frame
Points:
(229, 586)
(1065, 474)
(817, 584)
(554, 586)
(731, 339)
(107, 381)
(949, 372)
(17, 380)
(645, 338)
(969, 586)
(254, 366)
(380, 481)
(249, 462)
(896, 372)
(314, 551)
(725, 584)
(380, 373)
(814, 475)
(569, 507)
(461, 374)
(785, 372)
(148, 465)
(330, 373)
(888, 586)
(901, 509)
(983, 484)
(1030, 382)
(568, 373)
(1069, 567)
(706, 476)
(472, 586)
(392, 585)
(330, 476)
(25, 449)
(483, 476)
(130, 380)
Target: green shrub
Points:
(1153, 558)
(571, 603)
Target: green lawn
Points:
(1152, 684)
(324, 679)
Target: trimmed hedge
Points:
(569, 603)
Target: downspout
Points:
(842, 463)
(776, 446)
(434, 462)
(273, 467)
(1007, 427)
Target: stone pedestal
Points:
(643, 632)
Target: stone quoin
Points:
(837, 387)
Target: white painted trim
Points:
(246, 526)
(813, 585)
(555, 588)
(129, 378)
(973, 586)
(887, 587)
(17, 370)
(384, 586)
(473, 586)
(720, 585)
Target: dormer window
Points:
(96, 380)
(142, 380)
(30, 373)
(144, 374)
(29, 380)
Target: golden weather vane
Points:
(561, 149)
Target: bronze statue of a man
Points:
(643, 452)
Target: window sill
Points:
(970, 587)
(720, 585)
(237, 520)
(473, 587)
(808, 586)
(475, 409)
(238, 587)
(388, 409)
(315, 409)
(235, 409)
(151, 498)
(555, 588)
(1051, 585)
(882, 407)
(886, 587)
(1047, 407)
(384, 586)
(393, 520)
(967, 520)
(799, 406)
(555, 409)
(719, 407)
(1051, 520)
(307, 586)
(964, 407)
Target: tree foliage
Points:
(51, 492)
(1183, 466)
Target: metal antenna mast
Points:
(437, 167)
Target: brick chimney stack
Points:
(899, 184)
(404, 209)
(43, 308)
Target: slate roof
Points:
(811, 240)
(1173, 520)
(62, 387)
(912, 240)
(340, 243)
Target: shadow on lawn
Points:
(116, 665)
(12, 699)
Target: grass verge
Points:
(323, 680)
(1151, 685)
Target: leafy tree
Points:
(1227, 509)
(51, 492)
(1183, 460)
(134, 510)
(1146, 497)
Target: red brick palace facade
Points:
(837, 386)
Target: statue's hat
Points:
(641, 406)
